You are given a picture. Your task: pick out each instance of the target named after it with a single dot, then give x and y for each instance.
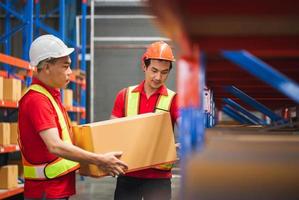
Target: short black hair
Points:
(40, 65)
(147, 62)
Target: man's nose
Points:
(69, 71)
(158, 76)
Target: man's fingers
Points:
(111, 173)
(116, 172)
(118, 154)
(123, 165)
(120, 170)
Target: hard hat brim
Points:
(160, 58)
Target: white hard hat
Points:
(47, 46)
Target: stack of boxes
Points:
(4, 134)
(10, 90)
(8, 176)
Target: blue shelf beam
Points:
(235, 115)
(253, 103)
(244, 111)
(28, 28)
(8, 9)
(265, 72)
(37, 17)
(7, 40)
(8, 35)
(191, 126)
(83, 35)
(62, 20)
(52, 31)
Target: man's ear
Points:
(143, 67)
(46, 67)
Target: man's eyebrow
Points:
(159, 70)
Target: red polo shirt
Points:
(146, 105)
(36, 114)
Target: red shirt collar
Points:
(53, 91)
(161, 90)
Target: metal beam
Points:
(235, 115)
(265, 72)
(255, 104)
(244, 111)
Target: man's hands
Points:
(108, 162)
(111, 164)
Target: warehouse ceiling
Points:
(269, 29)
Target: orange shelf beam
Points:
(8, 104)
(75, 109)
(15, 62)
(11, 192)
(3, 74)
(9, 148)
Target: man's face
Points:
(156, 73)
(60, 72)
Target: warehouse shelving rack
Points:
(203, 26)
(30, 25)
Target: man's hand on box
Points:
(111, 164)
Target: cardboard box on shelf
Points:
(19, 163)
(12, 89)
(67, 97)
(14, 133)
(146, 140)
(1, 88)
(8, 176)
(4, 133)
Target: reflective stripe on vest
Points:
(60, 166)
(132, 101)
(163, 105)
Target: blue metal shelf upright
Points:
(31, 23)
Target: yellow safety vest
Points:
(163, 105)
(59, 166)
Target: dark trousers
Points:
(130, 188)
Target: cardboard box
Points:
(68, 97)
(1, 88)
(74, 123)
(4, 134)
(12, 89)
(146, 140)
(8, 176)
(14, 133)
(19, 163)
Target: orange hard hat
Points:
(159, 50)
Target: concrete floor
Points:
(103, 188)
